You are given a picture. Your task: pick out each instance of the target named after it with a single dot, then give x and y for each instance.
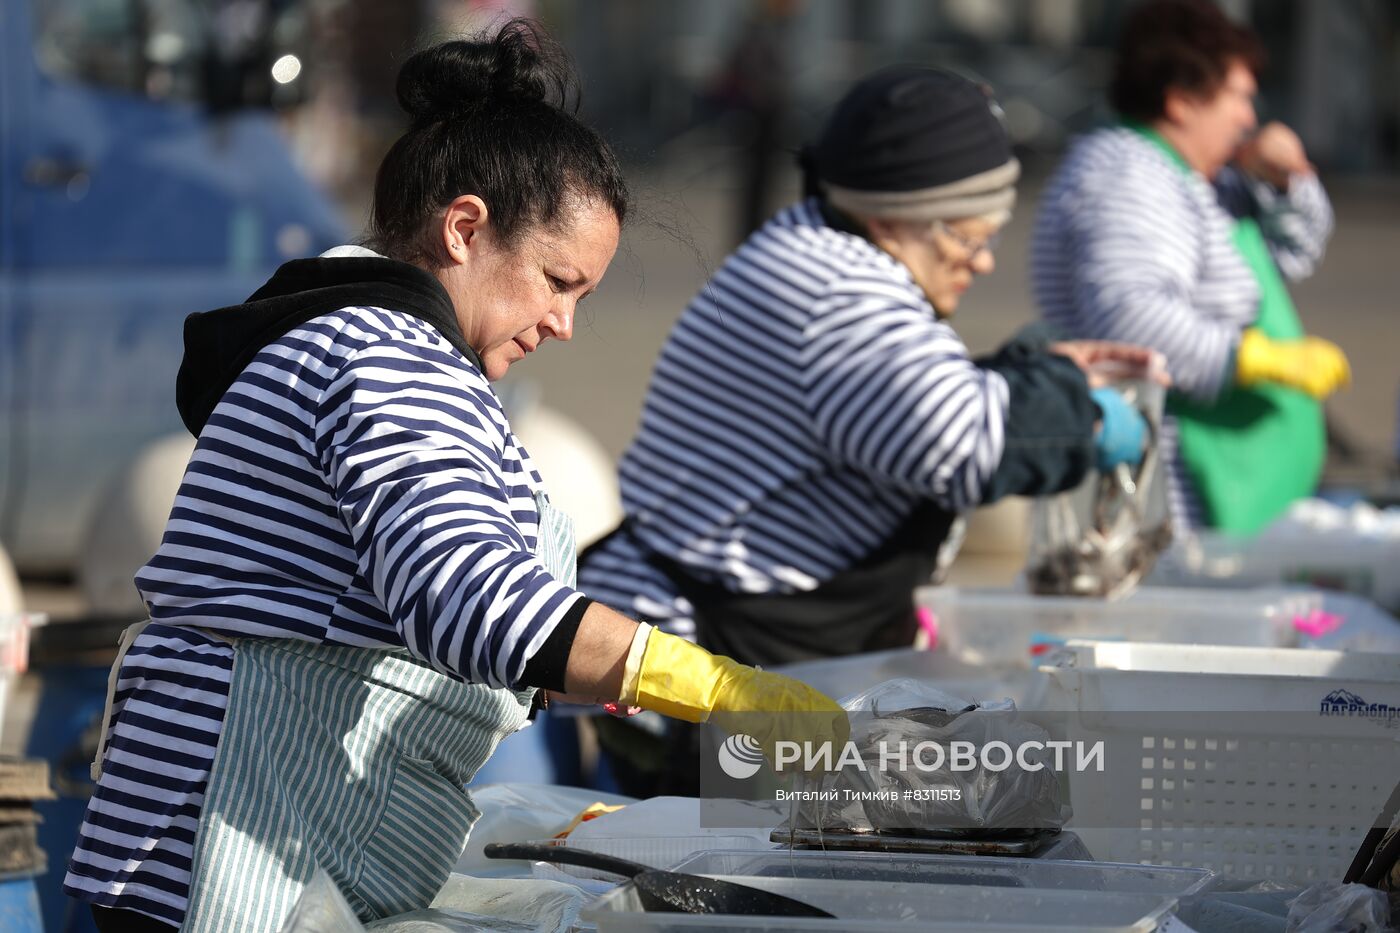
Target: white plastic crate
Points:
(1005, 628)
(1286, 796)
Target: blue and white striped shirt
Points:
(806, 401)
(357, 485)
(1127, 246)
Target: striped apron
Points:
(350, 759)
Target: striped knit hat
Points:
(911, 143)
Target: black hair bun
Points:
(518, 64)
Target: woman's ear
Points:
(462, 223)
(886, 234)
(877, 227)
(1178, 105)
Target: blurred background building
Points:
(707, 102)
(662, 74)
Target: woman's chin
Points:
(945, 306)
(495, 367)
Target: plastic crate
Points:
(1008, 628)
(1250, 796)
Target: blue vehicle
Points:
(142, 177)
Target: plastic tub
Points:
(869, 906)
(1333, 559)
(1133, 677)
(841, 677)
(1007, 628)
(1285, 796)
(14, 639)
(977, 871)
(14, 652)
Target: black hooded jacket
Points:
(220, 344)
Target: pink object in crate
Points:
(928, 624)
(1318, 623)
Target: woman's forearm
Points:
(599, 653)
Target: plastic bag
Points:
(1103, 537)
(516, 812)
(321, 909)
(1339, 908)
(464, 905)
(441, 920)
(905, 788)
(539, 905)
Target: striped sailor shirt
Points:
(1126, 246)
(805, 403)
(357, 485)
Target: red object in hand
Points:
(615, 709)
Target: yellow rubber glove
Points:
(1310, 364)
(684, 681)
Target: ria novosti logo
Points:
(740, 756)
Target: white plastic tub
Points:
(1316, 544)
(1008, 628)
(841, 677)
(14, 652)
(1256, 763)
(971, 870)
(871, 906)
(1134, 677)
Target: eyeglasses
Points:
(973, 247)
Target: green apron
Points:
(1253, 451)
(350, 759)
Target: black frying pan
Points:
(667, 891)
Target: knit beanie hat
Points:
(912, 143)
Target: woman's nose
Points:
(984, 262)
(559, 323)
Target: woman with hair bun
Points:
(363, 587)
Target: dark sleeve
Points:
(546, 668)
(1049, 422)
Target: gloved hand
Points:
(679, 679)
(1311, 364)
(1122, 434)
